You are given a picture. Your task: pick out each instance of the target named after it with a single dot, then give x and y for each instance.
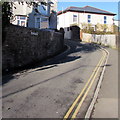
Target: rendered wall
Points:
(108, 40)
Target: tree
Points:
(7, 12)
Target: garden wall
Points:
(23, 46)
(108, 40)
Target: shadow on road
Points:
(53, 62)
(75, 47)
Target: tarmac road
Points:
(49, 91)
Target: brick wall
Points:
(23, 46)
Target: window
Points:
(89, 18)
(105, 19)
(22, 18)
(38, 19)
(105, 22)
(37, 22)
(23, 23)
(74, 18)
(44, 20)
(18, 22)
(88, 21)
(18, 17)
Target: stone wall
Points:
(108, 40)
(23, 46)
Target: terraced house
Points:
(95, 18)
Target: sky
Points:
(108, 6)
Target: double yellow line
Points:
(81, 97)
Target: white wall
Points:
(95, 18)
(66, 19)
(108, 40)
(21, 9)
(20, 21)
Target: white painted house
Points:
(20, 13)
(34, 17)
(84, 15)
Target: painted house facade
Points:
(83, 16)
(20, 13)
(33, 16)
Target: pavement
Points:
(107, 102)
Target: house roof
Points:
(86, 9)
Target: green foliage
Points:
(7, 10)
(100, 29)
(6, 13)
(116, 29)
(96, 32)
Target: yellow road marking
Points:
(83, 98)
(75, 102)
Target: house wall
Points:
(95, 18)
(31, 20)
(21, 9)
(66, 19)
(24, 46)
(24, 10)
(20, 20)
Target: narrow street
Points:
(50, 90)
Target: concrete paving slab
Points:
(107, 102)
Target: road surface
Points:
(50, 90)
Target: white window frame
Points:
(20, 20)
(75, 19)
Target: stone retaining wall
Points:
(23, 46)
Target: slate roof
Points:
(86, 9)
